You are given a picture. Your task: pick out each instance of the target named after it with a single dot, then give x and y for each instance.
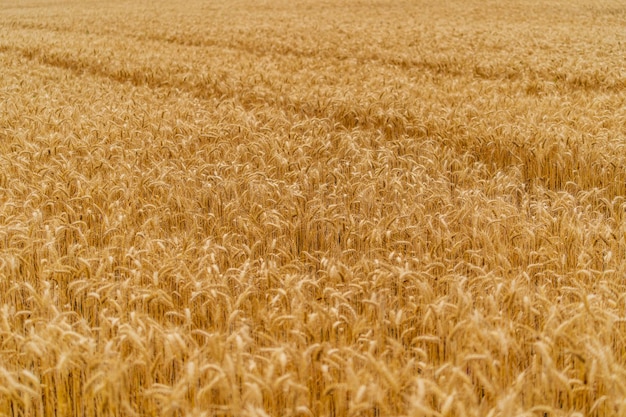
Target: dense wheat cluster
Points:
(305, 208)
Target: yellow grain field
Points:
(312, 208)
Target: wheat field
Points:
(312, 208)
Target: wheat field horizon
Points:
(302, 208)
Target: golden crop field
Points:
(313, 208)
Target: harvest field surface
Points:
(313, 208)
